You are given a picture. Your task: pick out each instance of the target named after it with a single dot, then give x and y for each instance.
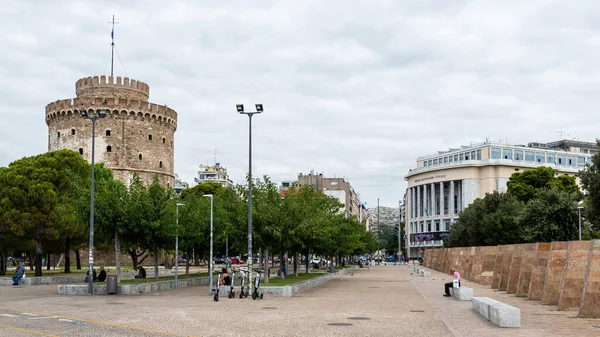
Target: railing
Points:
(435, 167)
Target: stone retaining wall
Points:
(565, 274)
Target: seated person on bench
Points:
(141, 272)
(102, 274)
(455, 276)
(225, 278)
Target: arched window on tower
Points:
(140, 156)
(59, 135)
(72, 131)
(108, 132)
(164, 140)
(149, 137)
(109, 148)
(81, 151)
(160, 164)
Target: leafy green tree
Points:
(32, 190)
(493, 220)
(528, 184)
(590, 180)
(552, 216)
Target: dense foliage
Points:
(44, 209)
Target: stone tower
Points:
(135, 136)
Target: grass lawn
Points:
(276, 281)
(52, 272)
(150, 279)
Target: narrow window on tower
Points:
(164, 140)
(80, 151)
(140, 156)
(59, 135)
(72, 131)
(108, 132)
(109, 149)
(149, 137)
(160, 164)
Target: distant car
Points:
(236, 260)
(219, 260)
(181, 260)
(391, 259)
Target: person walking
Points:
(455, 278)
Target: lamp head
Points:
(178, 204)
(240, 108)
(208, 195)
(259, 107)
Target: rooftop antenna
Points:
(561, 133)
(112, 45)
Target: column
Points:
(419, 205)
(413, 203)
(432, 204)
(442, 199)
(459, 196)
(451, 200)
(425, 202)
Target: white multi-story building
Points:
(179, 185)
(215, 174)
(444, 184)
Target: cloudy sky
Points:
(354, 89)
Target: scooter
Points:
(257, 278)
(231, 289)
(216, 297)
(243, 276)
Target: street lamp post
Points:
(259, 109)
(211, 243)
(399, 229)
(177, 244)
(93, 116)
(579, 208)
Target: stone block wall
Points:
(565, 274)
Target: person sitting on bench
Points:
(455, 277)
(20, 272)
(141, 272)
(102, 275)
(225, 278)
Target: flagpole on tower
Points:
(112, 46)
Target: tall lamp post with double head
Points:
(240, 109)
(177, 243)
(92, 115)
(211, 244)
(579, 208)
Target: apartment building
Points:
(445, 183)
(214, 173)
(337, 188)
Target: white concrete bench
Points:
(462, 293)
(501, 314)
(426, 274)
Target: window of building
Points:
(496, 153)
(580, 160)
(160, 164)
(59, 135)
(518, 155)
(430, 162)
(109, 149)
(164, 140)
(108, 132)
(445, 204)
(446, 226)
(560, 160)
(540, 157)
(421, 228)
(461, 157)
(472, 155)
(437, 205)
(455, 157)
(149, 137)
(72, 131)
(425, 163)
(571, 161)
(450, 159)
(529, 156)
(550, 158)
(507, 153)
(437, 226)
(455, 204)
(445, 159)
(140, 156)
(435, 161)
(429, 227)
(478, 154)
(467, 156)
(81, 151)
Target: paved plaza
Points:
(379, 301)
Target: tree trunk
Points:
(266, 266)
(77, 259)
(295, 264)
(281, 264)
(38, 257)
(155, 263)
(117, 256)
(187, 264)
(307, 260)
(3, 263)
(48, 261)
(134, 258)
(196, 258)
(68, 255)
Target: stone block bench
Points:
(462, 293)
(501, 314)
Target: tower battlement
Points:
(94, 86)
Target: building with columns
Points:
(445, 183)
